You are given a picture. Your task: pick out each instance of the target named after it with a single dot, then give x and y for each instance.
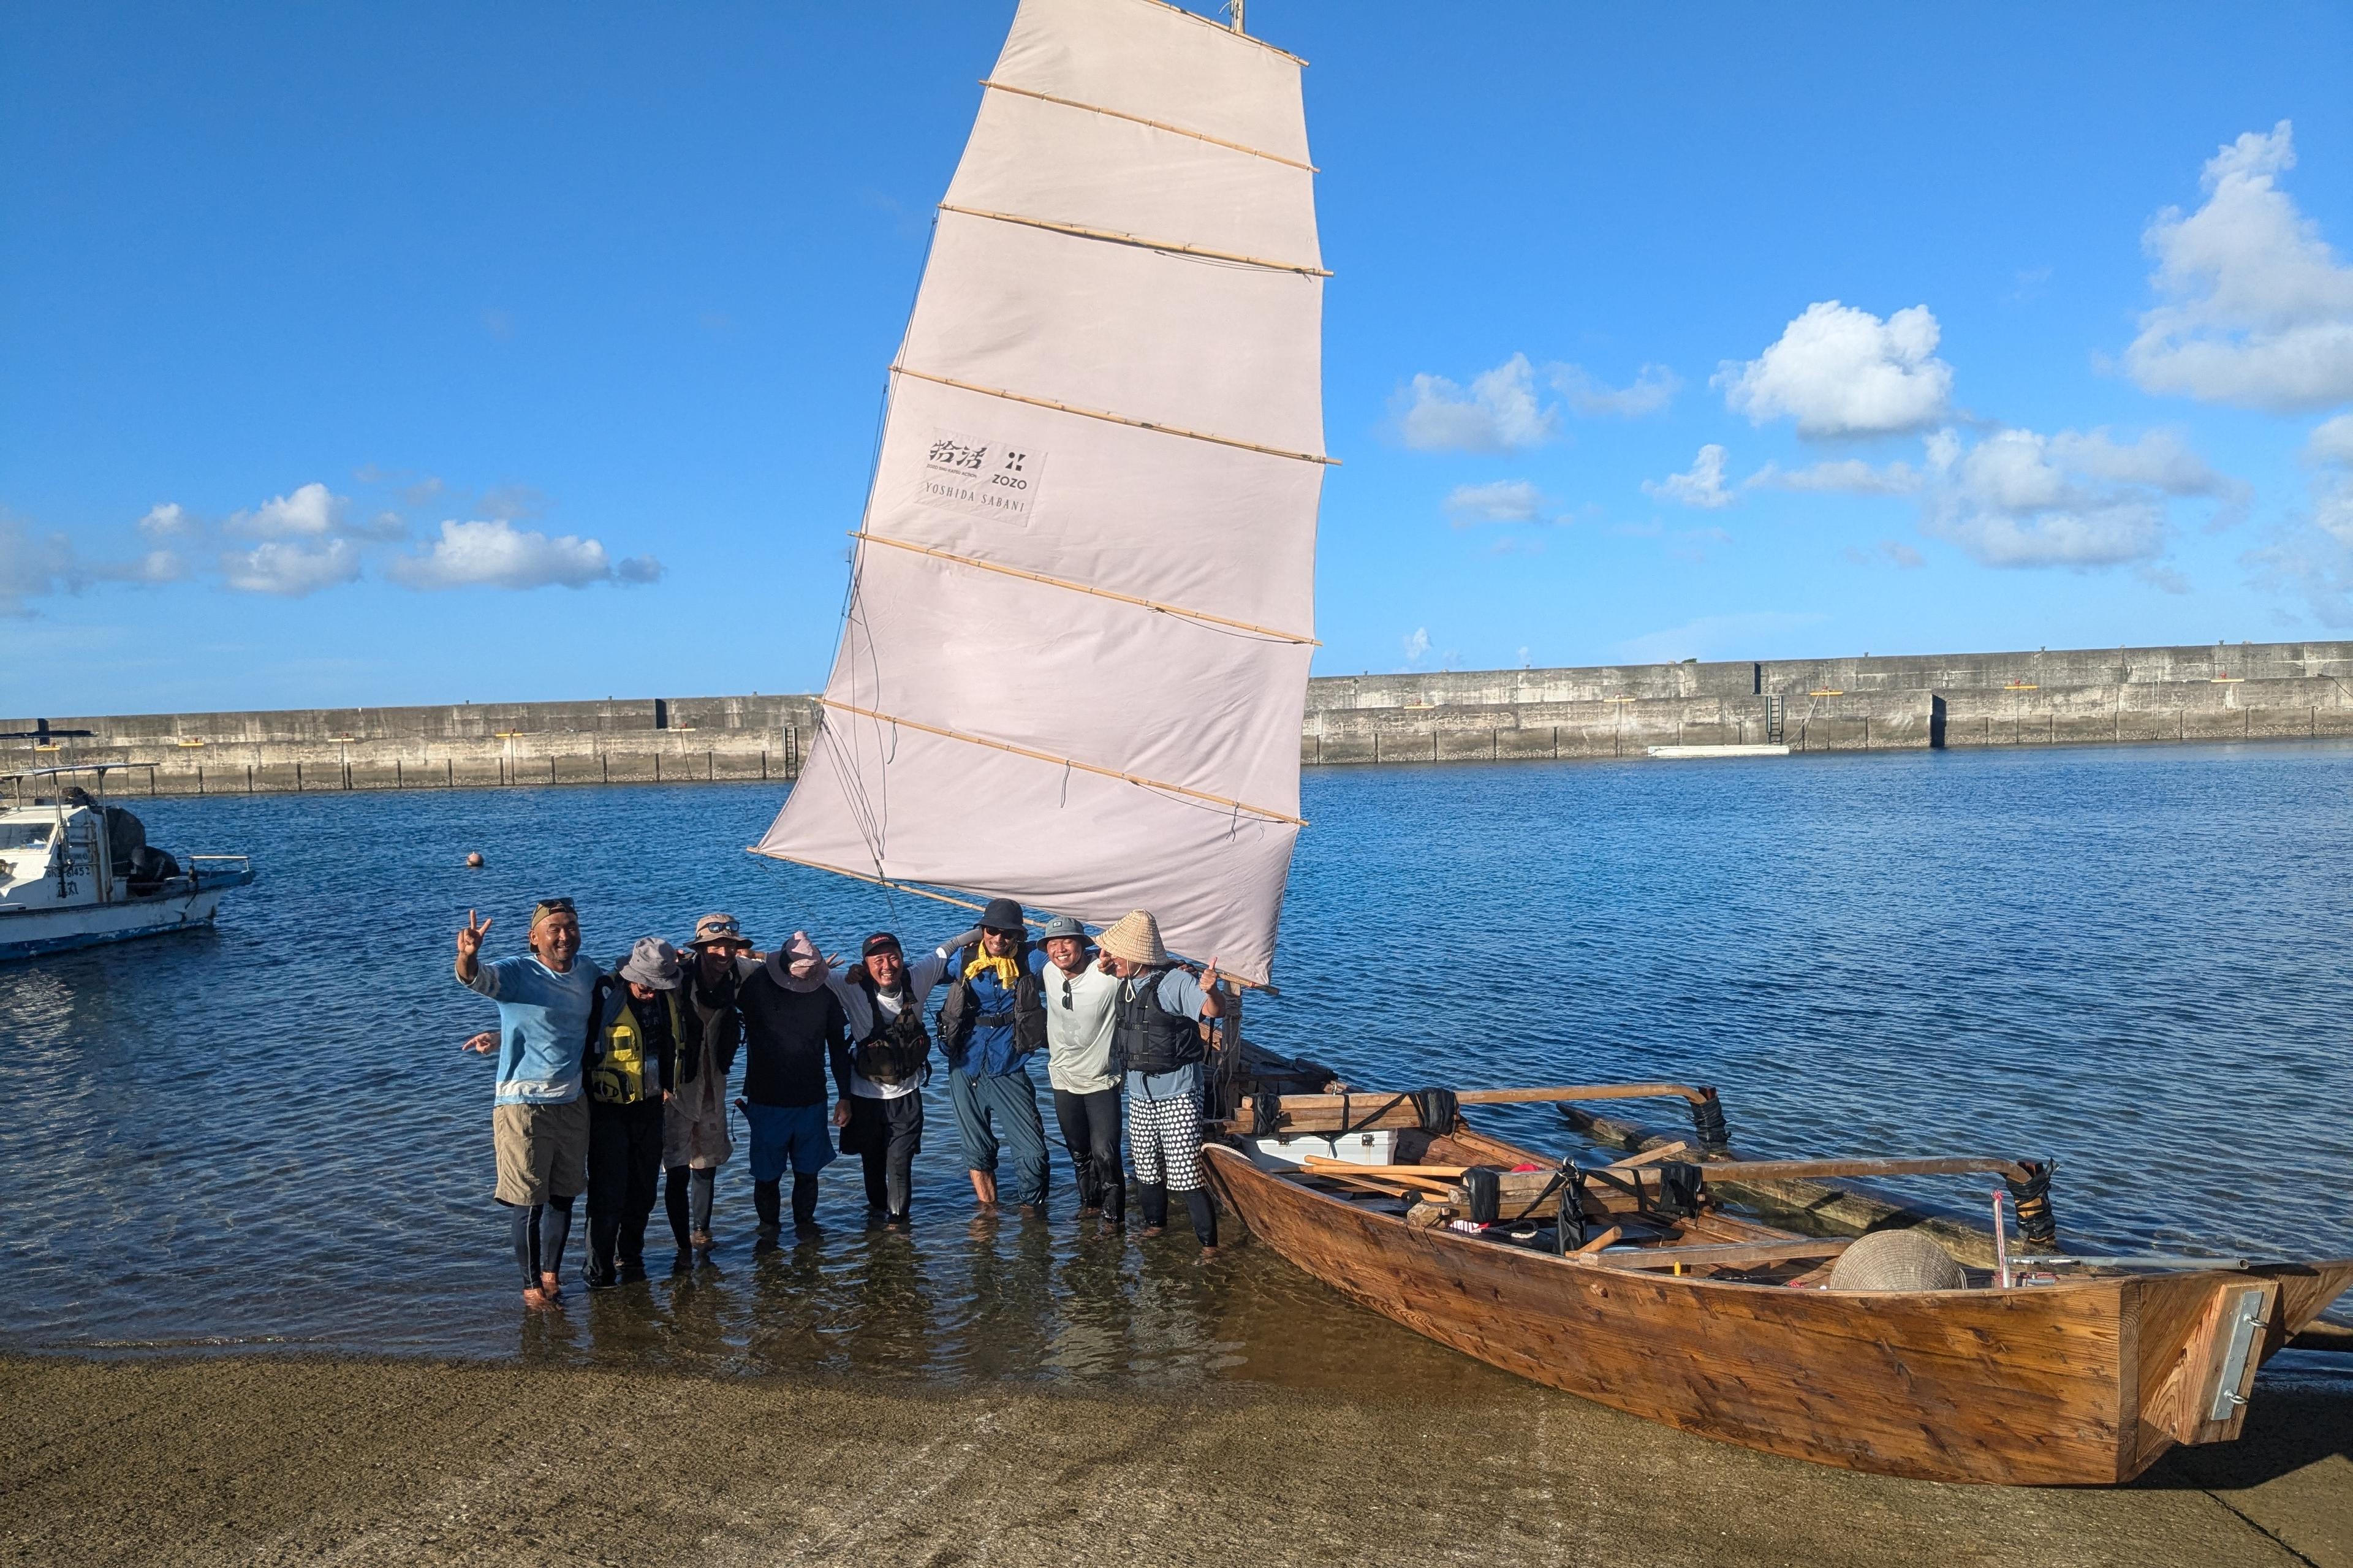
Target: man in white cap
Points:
(1155, 1028)
(695, 1141)
(1081, 1068)
(539, 1119)
(794, 1030)
(631, 1061)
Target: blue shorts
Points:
(797, 1135)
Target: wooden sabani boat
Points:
(2083, 1379)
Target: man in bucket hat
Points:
(695, 1141)
(794, 1030)
(993, 1021)
(1157, 1017)
(631, 1058)
(539, 1116)
(1081, 1068)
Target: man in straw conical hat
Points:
(1157, 1031)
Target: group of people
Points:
(615, 1084)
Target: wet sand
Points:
(280, 1459)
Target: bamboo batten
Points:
(1087, 588)
(1155, 124)
(1114, 419)
(1080, 231)
(1065, 763)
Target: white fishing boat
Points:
(1081, 605)
(75, 871)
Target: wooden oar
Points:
(1933, 1166)
(1581, 1091)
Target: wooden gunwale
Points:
(2034, 1385)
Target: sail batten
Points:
(1114, 237)
(1059, 677)
(1155, 605)
(1152, 425)
(1155, 124)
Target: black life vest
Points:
(896, 1049)
(960, 1014)
(1147, 1036)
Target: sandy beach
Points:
(280, 1459)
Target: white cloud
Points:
(2313, 555)
(1702, 487)
(1654, 386)
(2331, 441)
(292, 567)
(1838, 371)
(31, 565)
(1888, 552)
(1416, 646)
(2073, 498)
(497, 555)
(1499, 414)
(165, 520)
(1709, 636)
(154, 567)
(2257, 308)
(1505, 501)
(308, 514)
(1847, 476)
(637, 570)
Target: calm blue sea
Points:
(2136, 960)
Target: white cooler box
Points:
(1378, 1148)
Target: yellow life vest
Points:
(625, 1071)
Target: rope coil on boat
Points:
(1266, 1114)
(2031, 1198)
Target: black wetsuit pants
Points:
(885, 1135)
(625, 1149)
(688, 1199)
(1091, 1128)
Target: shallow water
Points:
(2138, 960)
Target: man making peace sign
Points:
(539, 1119)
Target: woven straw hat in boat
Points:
(1136, 938)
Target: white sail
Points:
(1077, 644)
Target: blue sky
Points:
(378, 354)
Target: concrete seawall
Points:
(2243, 691)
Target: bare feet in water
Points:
(536, 1298)
(1209, 1254)
(551, 1287)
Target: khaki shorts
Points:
(543, 1151)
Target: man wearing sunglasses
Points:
(539, 1116)
(1080, 1065)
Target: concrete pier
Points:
(2239, 692)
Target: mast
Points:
(1082, 609)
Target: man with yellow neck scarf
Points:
(993, 1020)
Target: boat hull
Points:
(38, 933)
(2084, 1383)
